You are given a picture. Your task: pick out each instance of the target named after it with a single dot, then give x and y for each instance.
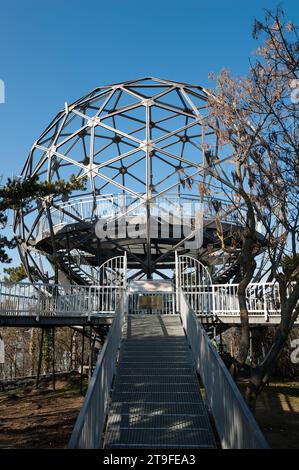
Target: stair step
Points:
(162, 371)
(152, 342)
(163, 379)
(171, 422)
(156, 397)
(158, 438)
(140, 356)
(183, 409)
(162, 346)
(156, 349)
(153, 363)
(147, 336)
(156, 388)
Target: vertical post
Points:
(213, 302)
(220, 336)
(148, 178)
(99, 253)
(40, 358)
(89, 304)
(90, 354)
(53, 358)
(173, 297)
(125, 290)
(265, 303)
(177, 280)
(82, 361)
(38, 306)
(250, 347)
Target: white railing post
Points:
(177, 281)
(38, 306)
(266, 316)
(89, 311)
(213, 302)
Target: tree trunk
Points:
(40, 358)
(32, 351)
(74, 351)
(47, 347)
(247, 267)
(53, 358)
(263, 371)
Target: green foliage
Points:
(5, 244)
(18, 273)
(19, 194)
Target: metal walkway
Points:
(156, 400)
(144, 392)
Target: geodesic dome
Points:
(143, 142)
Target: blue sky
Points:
(55, 51)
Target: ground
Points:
(42, 418)
(277, 413)
(45, 418)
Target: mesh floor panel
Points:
(156, 400)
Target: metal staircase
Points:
(228, 269)
(156, 400)
(77, 267)
(144, 392)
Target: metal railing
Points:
(155, 303)
(219, 300)
(89, 426)
(222, 299)
(40, 300)
(236, 426)
(262, 299)
(107, 206)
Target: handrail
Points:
(91, 420)
(106, 206)
(221, 300)
(21, 299)
(236, 426)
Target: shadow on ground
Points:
(42, 418)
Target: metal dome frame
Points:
(143, 139)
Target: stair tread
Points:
(174, 437)
(148, 379)
(156, 400)
(156, 388)
(151, 420)
(119, 407)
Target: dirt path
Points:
(38, 419)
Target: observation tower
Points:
(153, 169)
(155, 232)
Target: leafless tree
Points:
(258, 116)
